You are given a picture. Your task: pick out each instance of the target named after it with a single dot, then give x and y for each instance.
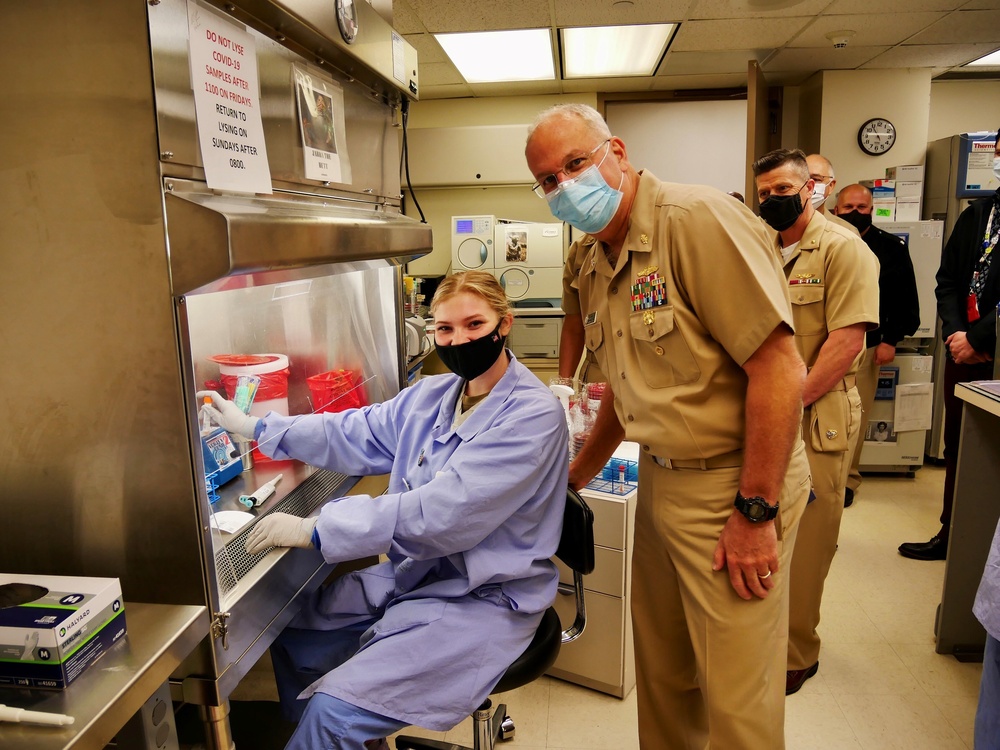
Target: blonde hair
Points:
(479, 283)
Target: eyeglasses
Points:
(571, 169)
(825, 179)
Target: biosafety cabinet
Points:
(148, 243)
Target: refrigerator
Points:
(903, 451)
(958, 170)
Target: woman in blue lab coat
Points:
(473, 513)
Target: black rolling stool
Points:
(576, 550)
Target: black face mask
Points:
(781, 211)
(473, 358)
(858, 220)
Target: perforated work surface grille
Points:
(233, 562)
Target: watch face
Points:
(756, 511)
(347, 19)
(876, 136)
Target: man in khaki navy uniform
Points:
(833, 285)
(571, 338)
(686, 310)
(824, 180)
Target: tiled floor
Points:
(880, 683)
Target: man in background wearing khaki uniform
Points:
(833, 285)
(686, 310)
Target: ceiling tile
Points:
(715, 9)
(462, 91)
(461, 15)
(718, 81)
(751, 33)
(521, 88)
(428, 49)
(962, 27)
(439, 74)
(852, 7)
(404, 19)
(870, 30)
(709, 63)
(611, 13)
(821, 59)
(928, 55)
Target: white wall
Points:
(510, 202)
(700, 142)
(963, 106)
(850, 97)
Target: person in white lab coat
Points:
(473, 513)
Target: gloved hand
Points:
(228, 415)
(280, 530)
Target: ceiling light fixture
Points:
(614, 51)
(992, 59)
(494, 56)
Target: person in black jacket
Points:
(968, 290)
(898, 307)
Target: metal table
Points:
(114, 689)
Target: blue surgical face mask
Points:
(586, 202)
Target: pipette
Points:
(262, 494)
(23, 716)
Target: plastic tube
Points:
(23, 716)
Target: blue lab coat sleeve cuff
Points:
(315, 540)
(258, 428)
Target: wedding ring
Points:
(763, 577)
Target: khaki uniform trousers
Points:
(816, 542)
(710, 667)
(867, 377)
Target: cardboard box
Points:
(907, 209)
(908, 173)
(883, 209)
(53, 627)
(881, 188)
(909, 189)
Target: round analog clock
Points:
(876, 136)
(347, 19)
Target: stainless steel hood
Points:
(212, 236)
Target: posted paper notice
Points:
(227, 103)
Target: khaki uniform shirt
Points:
(832, 283)
(571, 271)
(695, 292)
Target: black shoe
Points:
(796, 678)
(848, 497)
(935, 549)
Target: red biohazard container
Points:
(336, 390)
(272, 393)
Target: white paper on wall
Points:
(223, 59)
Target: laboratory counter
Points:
(973, 520)
(115, 688)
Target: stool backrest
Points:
(576, 545)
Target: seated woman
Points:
(473, 513)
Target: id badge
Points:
(972, 308)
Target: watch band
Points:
(755, 509)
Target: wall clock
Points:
(876, 136)
(347, 19)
